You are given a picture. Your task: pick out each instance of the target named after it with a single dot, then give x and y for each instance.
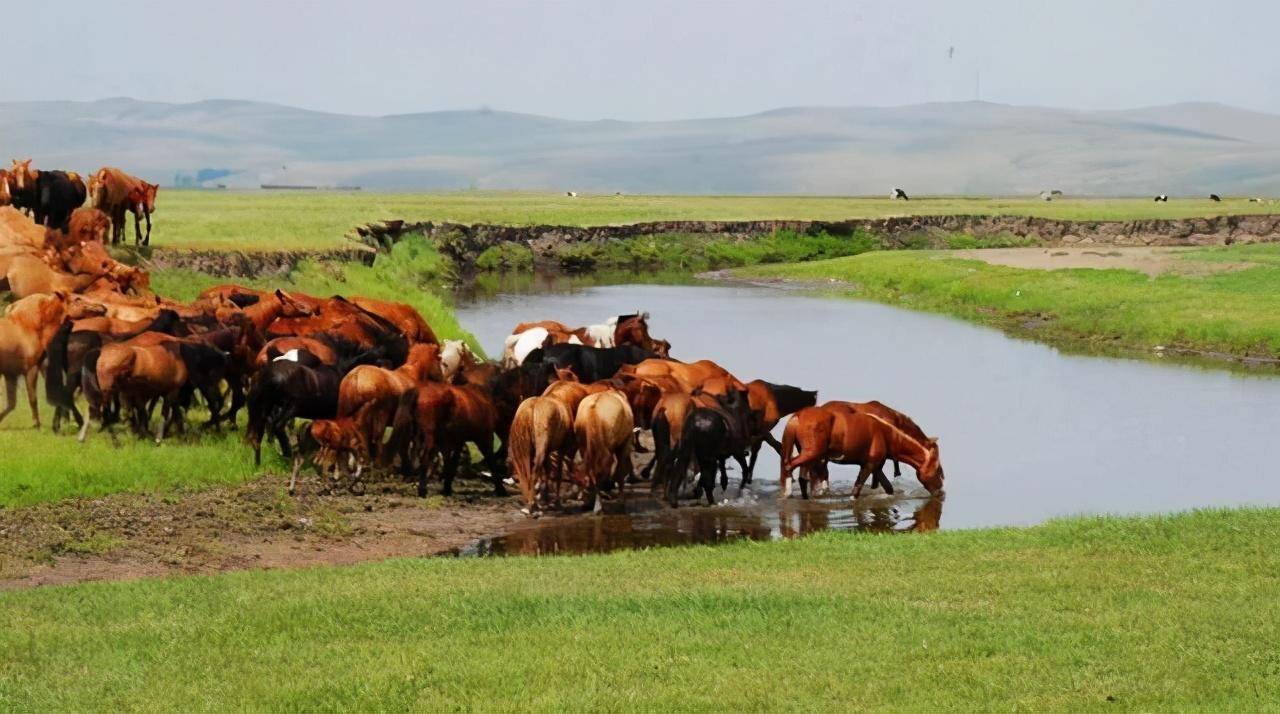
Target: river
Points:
(1026, 432)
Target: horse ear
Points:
(933, 441)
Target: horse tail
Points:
(89, 383)
(55, 370)
(523, 447)
(788, 445)
(682, 455)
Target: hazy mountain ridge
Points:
(954, 148)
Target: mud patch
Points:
(257, 525)
(1151, 261)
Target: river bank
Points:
(1113, 613)
(1216, 315)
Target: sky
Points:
(643, 59)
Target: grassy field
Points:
(1236, 312)
(255, 220)
(1174, 612)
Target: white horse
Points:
(518, 346)
(452, 354)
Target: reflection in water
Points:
(648, 524)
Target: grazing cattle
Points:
(590, 364)
(1215, 197)
(896, 193)
(1162, 198)
(26, 329)
(540, 444)
(113, 192)
(847, 437)
(602, 430)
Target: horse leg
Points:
(707, 474)
(880, 480)
(33, 376)
(897, 470)
(805, 476)
(491, 463)
(750, 469)
(147, 240)
(11, 394)
(451, 469)
(863, 473)
(137, 229)
(724, 475)
(741, 459)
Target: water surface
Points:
(1027, 433)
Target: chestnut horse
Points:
(403, 316)
(602, 431)
(113, 192)
(377, 391)
(690, 375)
(26, 329)
(889, 414)
(769, 403)
(848, 437)
(442, 418)
(139, 372)
(6, 196)
(540, 444)
(22, 186)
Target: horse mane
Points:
(925, 445)
(790, 398)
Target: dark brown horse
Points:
(769, 403)
(113, 192)
(440, 419)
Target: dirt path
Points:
(1152, 261)
(257, 525)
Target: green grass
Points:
(1174, 612)
(40, 466)
(268, 221)
(1237, 312)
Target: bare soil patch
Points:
(1151, 261)
(257, 525)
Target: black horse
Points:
(285, 390)
(590, 364)
(711, 436)
(57, 194)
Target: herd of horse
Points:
(356, 386)
(50, 197)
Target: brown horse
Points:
(22, 186)
(318, 347)
(403, 316)
(889, 414)
(138, 372)
(379, 389)
(848, 437)
(88, 225)
(28, 275)
(113, 192)
(634, 330)
(690, 376)
(441, 419)
(540, 444)
(6, 196)
(769, 403)
(26, 329)
(602, 433)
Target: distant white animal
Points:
(1256, 200)
(1046, 195)
(897, 193)
(452, 353)
(1162, 198)
(571, 194)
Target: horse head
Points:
(930, 472)
(149, 191)
(566, 374)
(20, 172)
(292, 307)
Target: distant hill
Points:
(951, 148)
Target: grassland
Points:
(267, 221)
(1173, 612)
(1235, 312)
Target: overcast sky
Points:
(640, 59)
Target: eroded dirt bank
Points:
(256, 525)
(463, 242)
